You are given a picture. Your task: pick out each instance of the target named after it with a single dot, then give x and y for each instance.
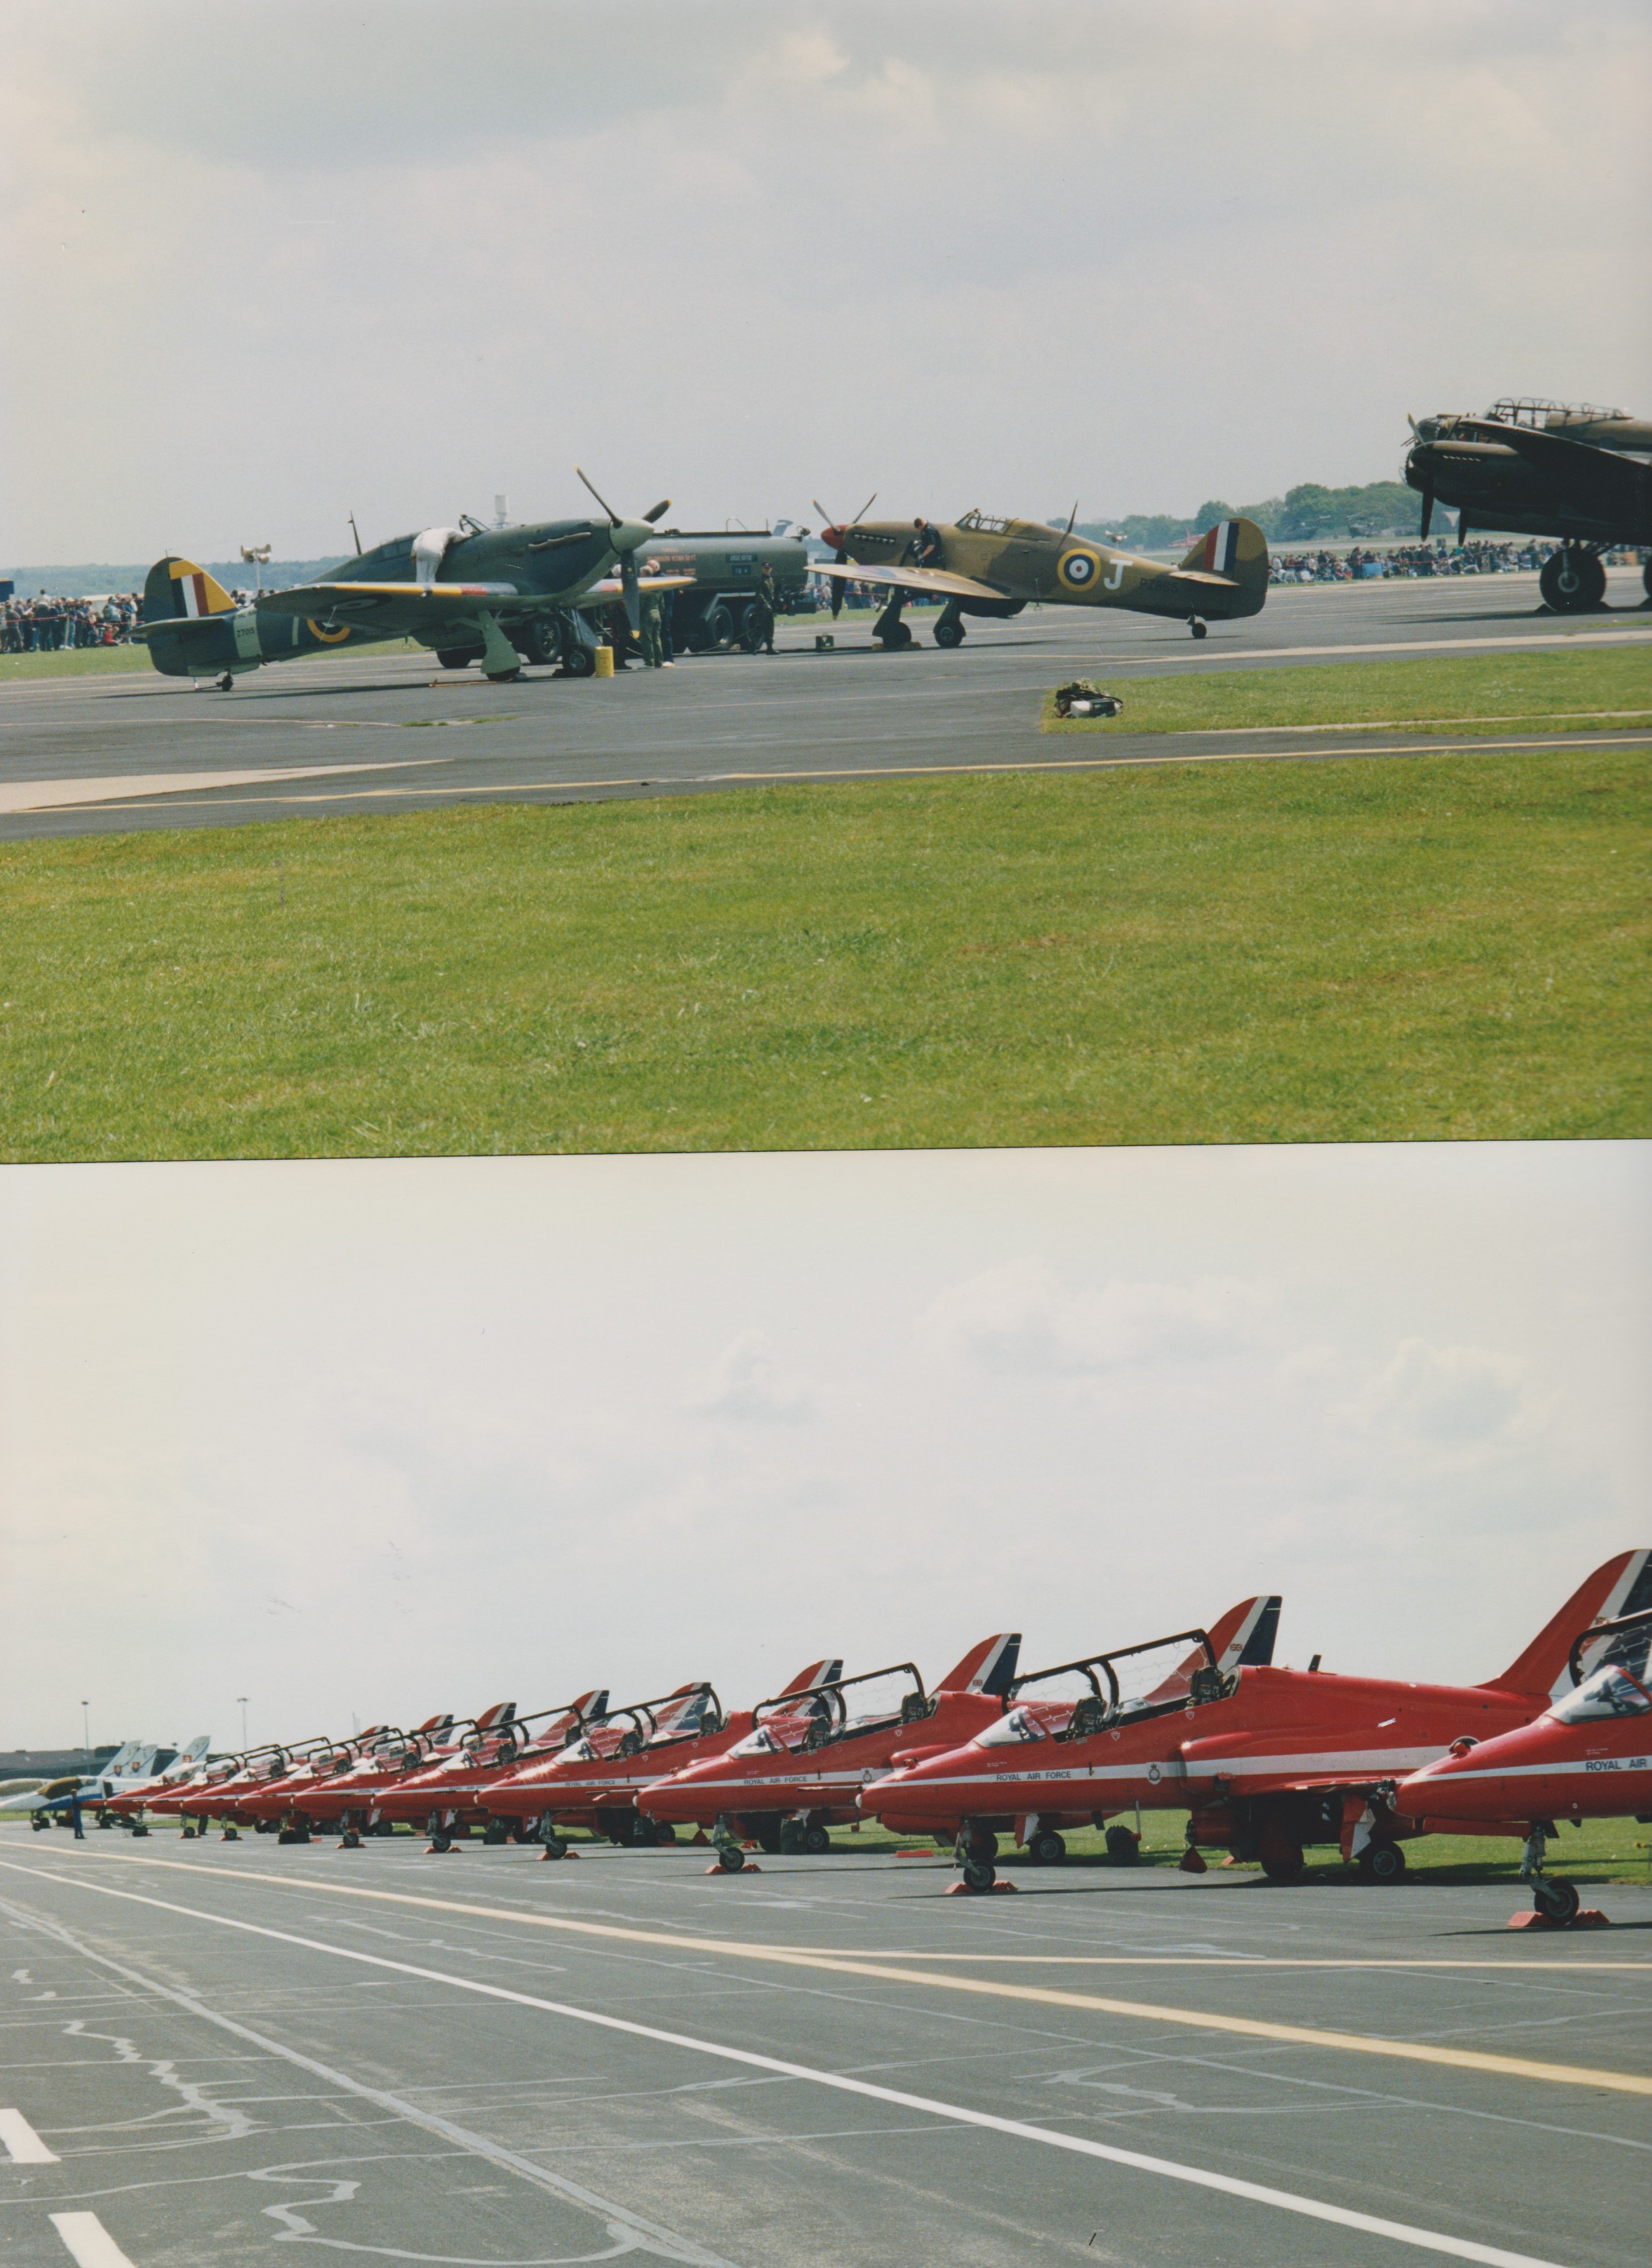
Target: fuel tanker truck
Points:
(710, 616)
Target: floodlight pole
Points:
(85, 1730)
(241, 1697)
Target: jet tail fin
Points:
(988, 1667)
(1237, 551)
(1243, 1638)
(176, 590)
(1622, 1587)
(818, 1673)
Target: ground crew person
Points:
(760, 614)
(653, 652)
(74, 1818)
(926, 545)
(618, 636)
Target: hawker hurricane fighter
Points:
(498, 595)
(1542, 468)
(981, 565)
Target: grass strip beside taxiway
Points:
(1406, 948)
(1581, 692)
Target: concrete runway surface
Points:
(212, 2049)
(317, 738)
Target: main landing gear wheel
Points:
(1198, 627)
(578, 659)
(815, 1839)
(1124, 1847)
(1556, 1900)
(1281, 1861)
(1382, 1862)
(1572, 582)
(949, 628)
(453, 657)
(897, 638)
(227, 683)
(1047, 1847)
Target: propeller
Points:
(833, 532)
(629, 591)
(1072, 516)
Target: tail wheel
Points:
(1382, 1862)
(1556, 1900)
(1047, 1847)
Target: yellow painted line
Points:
(1253, 2028)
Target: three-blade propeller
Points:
(627, 558)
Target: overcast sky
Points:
(380, 1438)
(265, 266)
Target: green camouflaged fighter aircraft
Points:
(980, 565)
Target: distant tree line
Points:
(1308, 513)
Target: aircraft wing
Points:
(362, 601)
(938, 580)
(611, 591)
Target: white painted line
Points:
(660, 2241)
(88, 2240)
(1389, 645)
(1425, 2240)
(53, 794)
(24, 2145)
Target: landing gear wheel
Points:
(815, 1839)
(664, 1831)
(897, 638)
(441, 1840)
(1198, 627)
(768, 1840)
(453, 657)
(350, 1840)
(978, 1873)
(138, 1827)
(226, 684)
(1556, 1900)
(1281, 1861)
(730, 1858)
(504, 676)
(495, 1831)
(1124, 1847)
(1382, 1862)
(948, 630)
(578, 659)
(1572, 582)
(1047, 1847)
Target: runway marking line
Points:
(495, 790)
(24, 2145)
(955, 2114)
(847, 1964)
(88, 2241)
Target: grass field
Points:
(1595, 691)
(1370, 950)
(114, 661)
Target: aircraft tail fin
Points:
(176, 590)
(1237, 550)
(988, 1667)
(1243, 1638)
(818, 1673)
(1622, 1587)
(686, 1709)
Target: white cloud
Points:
(1154, 254)
(1453, 1398)
(745, 1380)
(1021, 1317)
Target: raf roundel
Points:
(1079, 569)
(326, 636)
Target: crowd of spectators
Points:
(49, 625)
(1478, 556)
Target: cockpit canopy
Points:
(1610, 1692)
